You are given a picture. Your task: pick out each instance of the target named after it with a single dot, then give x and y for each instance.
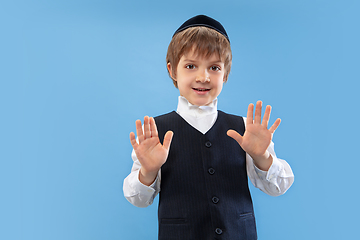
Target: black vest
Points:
(204, 184)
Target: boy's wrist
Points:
(147, 178)
(263, 162)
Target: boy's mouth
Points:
(201, 89)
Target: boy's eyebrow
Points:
(189, 60)
(193, 60)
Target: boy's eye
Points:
(190, 66)
(215, 68)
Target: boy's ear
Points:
(170, 71)
(225, 78)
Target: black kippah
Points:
(205, 21)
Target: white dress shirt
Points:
(275, 181)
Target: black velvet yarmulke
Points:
(205, 21)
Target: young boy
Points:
(198, 156)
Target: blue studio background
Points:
(75, 75)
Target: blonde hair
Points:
(205, 42)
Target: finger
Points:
(167, 139)
(235, 135)
(147, 133)
(258, 112)
(250, 113)
(265, 121)
(133, 141)
(153, 128)
(275, 125)
(139, 131)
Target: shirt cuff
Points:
(274, 170)
(145, 192)
(261, 174)
(272, 174)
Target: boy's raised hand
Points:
(257, 137)
(149, 151)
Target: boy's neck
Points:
(211, 104)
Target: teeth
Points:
(200, 89)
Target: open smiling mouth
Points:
(201, 89)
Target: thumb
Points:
(167, 139)
(235, 135)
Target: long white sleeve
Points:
(274, 182)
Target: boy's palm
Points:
(257, 137)
(150, 152)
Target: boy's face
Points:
(199, 79)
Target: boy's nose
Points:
(203, 77)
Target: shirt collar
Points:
(185, 107)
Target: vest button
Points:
(215, 200)
(211, 171)
(208, 144)
(218, 231)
